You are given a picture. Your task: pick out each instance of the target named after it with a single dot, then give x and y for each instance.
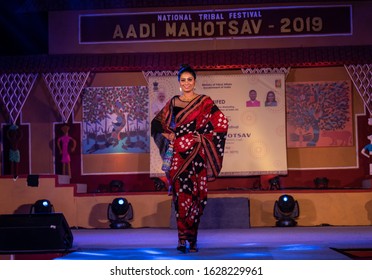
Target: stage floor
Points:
(266, 243)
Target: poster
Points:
(319, 114)
(256, 140)
(115, 130)
(115, 120)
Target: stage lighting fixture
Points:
(274, 183)
(116, 186)
(286, 210)
(42, 206)
(321, 182)
(119, 212)
(159, 184)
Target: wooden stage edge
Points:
(336, 207)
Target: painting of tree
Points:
(319, 114)
(115, 120)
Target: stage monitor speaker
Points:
(34, 232)
(33, 180)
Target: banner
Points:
(255, 107)
(240, 23)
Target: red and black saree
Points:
(193, 162)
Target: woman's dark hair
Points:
(186, 68)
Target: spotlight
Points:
(42, 206)
(286, 210)
(116, 186)
(274, 183)
(119, 212)
(321, 182)
(159, 184)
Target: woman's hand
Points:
(169, 136)
(197, 137)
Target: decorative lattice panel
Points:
(14, 90)
(361, 76)
(65, 89)
(282, 70)
(148, 74)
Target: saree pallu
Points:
(192, 159)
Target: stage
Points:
(269, 243)
(331, 224)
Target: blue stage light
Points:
(119, 212)
(286, 210)
(42, 206)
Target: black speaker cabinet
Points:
(33, 180)
(34, 232)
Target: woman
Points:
(270, 99)
(197, 130)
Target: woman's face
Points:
(270, 97)
(187, 82)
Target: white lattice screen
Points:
(361, 76)
(65, 89)
(14, 90)
(148, 74)
(282, 70)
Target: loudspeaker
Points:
(32, 180)
(34, 232)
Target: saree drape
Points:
(193, 162)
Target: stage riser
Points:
(223, 212)
(317, 207)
